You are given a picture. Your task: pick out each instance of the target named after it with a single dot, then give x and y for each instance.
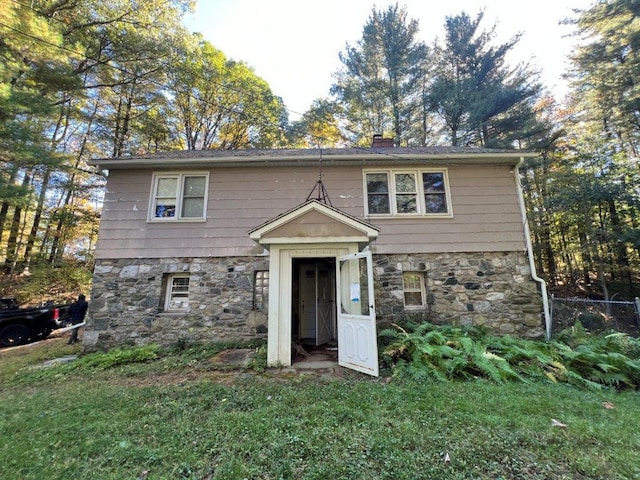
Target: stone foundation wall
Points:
(493, 289)
(127, 302)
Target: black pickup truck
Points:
(20, 325)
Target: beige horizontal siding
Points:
(485, 207)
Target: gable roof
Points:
(310, 156)
(314, 221)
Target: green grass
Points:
(177, 417)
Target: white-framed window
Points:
(177, 294)
(179, 197)
(407, 192)
(413, 290)
(261, 290)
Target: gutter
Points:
(527, 237)
(241, 159)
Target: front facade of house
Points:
(232, 245)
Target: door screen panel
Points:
(354, 297)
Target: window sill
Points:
(180, 220)
(409, 215)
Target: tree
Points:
(62, 63)
(220, 103)
(34, 70)
(117, 49)
(603, 137)
(318, 128)
(80, 80)
(606, 69)
(480, 100)
(379, 84)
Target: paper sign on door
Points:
(355, 292)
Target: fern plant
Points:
(443, 353)
(426, 351)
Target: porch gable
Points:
(314, 222)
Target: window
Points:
(261, 290)
(435, 197)
(177, 292)
(179, 196)
(406, 193)
(413, 288)
(378, 193)
(399, 193)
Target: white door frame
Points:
(280, 290)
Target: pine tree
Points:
(479, 98)
(379, 84)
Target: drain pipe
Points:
(532, 266)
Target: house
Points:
(311, 246)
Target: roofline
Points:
(350, 159)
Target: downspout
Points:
(532, 266)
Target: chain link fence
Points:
(596, 315)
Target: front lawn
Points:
(174, 417)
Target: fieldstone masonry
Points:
(127, 302)
(494, 289)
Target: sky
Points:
(294, 44)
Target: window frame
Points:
(422, 290)
(180, 178)
(261, 292)
(170, 295)
(421, 209)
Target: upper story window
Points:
(408, 192)
(179, 196)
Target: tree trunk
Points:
(620, 247)
(59, 133)
(55, 252)
(35, 226)
(4, 210)
(587, 262)
(12, 241)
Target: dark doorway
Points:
(314, 306)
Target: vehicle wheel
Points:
(12, 335)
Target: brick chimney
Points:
(380, 142)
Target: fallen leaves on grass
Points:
(556, 423)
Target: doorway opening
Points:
(313, 303)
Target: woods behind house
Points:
(86, 80)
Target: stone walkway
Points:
(318, 362)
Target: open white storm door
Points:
(357, 338)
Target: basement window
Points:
(414, 290)
(261, 290)
(177, 292)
